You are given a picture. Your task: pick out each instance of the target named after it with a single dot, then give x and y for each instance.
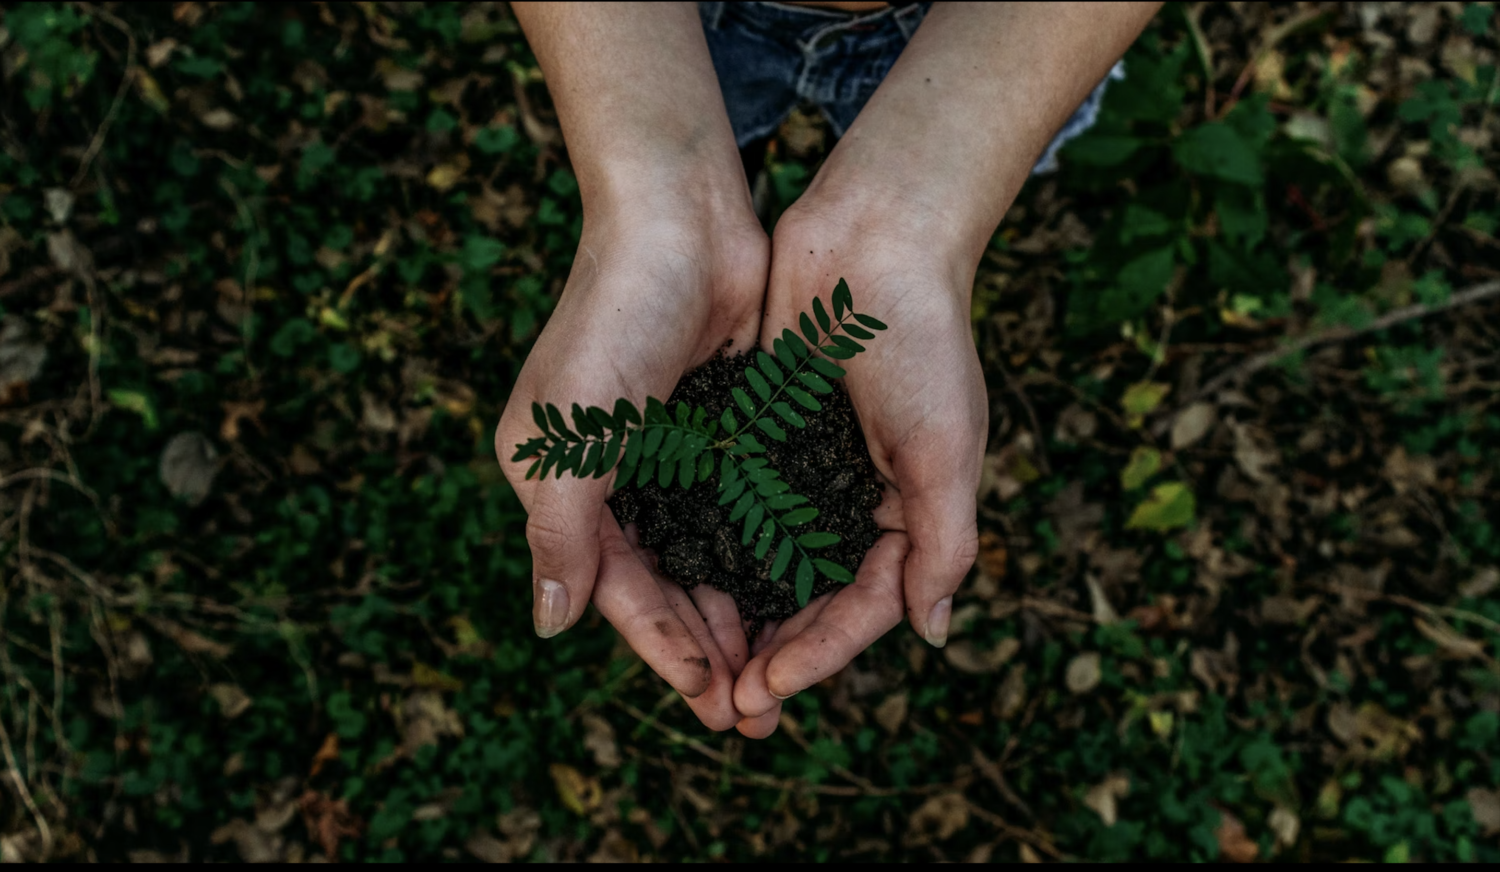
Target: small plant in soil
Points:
(715, 502)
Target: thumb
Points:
(562, 528)
(938, 503)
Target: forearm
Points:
(957, 125)
(636, 95)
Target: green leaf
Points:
(528, 448)
(644, 473)
(686, 470)
(741, 507)
(818, 539)
(846, 343)
(785, 500)
(826, 369)
(783, 559)
(837, 353)
(670, 446)
(815, 382)
(769, 367)
(1218, 150)
(804, 581)
(772, 488)
(554, 456)
(727, 419)
(584, 424)
(870, 322)
(752, 520)
(734, 492)
(1169, 506)
(611, 453)
(559, 426)
(833, 570)
(822, 315)
(601, 417)
(728, 472)
(532, 469)
(769, 427)
(804, 399)
(1142, 398)
(858, 332)
(808, 330)
(748, 444)
(633, 447)
(573, 458)
(654, 435)
(539, 416)
(700, 415)
(656, 412)
(684, 411)
(626, 414)
(1145, 462)
(743, 400)
(758, 383)
(665, 469)
(705, 466)
(798, 347)
(763, 545)
(843, 301)
(591, 460)
(784, 354)
(788, 414)
(798, 517)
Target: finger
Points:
(938, 505)
(751, 695)
(630, 598)
(762, 726)
(890, 514)
(723, 619)
(715, 705)
(563, 527)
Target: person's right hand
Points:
(660, 283)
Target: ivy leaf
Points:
(626, 413)
(808, 330)
(769, 427)
(870, 322)
(783, 559)
(797, 517)
(822, 314)
(818, 539)
(1170, 506)
(769, 367)
(804, 581)
(789, 415)
(759, 385)
(826, 369)
(833, 570)
(843, 301)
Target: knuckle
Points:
(549, 534)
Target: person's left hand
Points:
(918, 391)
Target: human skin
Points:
(902, 209)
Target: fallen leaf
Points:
(1144, 463)
(1103, 798)
(328, 821)
(992, 554)
(1483, 582)
(59, 203)
(232, 699)
(938, 819)
(891, 713)
(579, 793)
(218, 119)
(1448, 639)
(188, 466)
(967, 657)
(1285, 824)
(1170, 505)
(21, 355)
(599, 740)
(444, 176)
(1192, 424)
(1012, 696)
(1141, 399)
(1083, 673)
(327, 753)
(68, 254)
(1485, 806)
(1234, 845)
(1104, 613)
(423, 675)
(160, 52)
(1254, 453)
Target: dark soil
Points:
(692, 536)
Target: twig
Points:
(252, 266)
(1397, 599)
(1036, 425)
(1276, 35)
(1205, 55)
(1013, 831)
(1264, 359)
(14, 770)
(114, 108)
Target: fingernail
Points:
(551, 608)
(937, 622)
(783, 698)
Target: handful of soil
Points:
(696, 543)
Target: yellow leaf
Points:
(151, 92)
(1144, 463)
(444, 176)
(1170, 505)
(1141, 399)
(464, 632)
(423, 675)
(578, 793)
(1161, 723)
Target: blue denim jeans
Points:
(771, 57)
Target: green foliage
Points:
(685, 446)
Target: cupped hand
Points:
(656, 289)
(918, 391)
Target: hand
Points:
(658, 286)
(919, 393)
